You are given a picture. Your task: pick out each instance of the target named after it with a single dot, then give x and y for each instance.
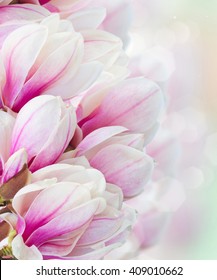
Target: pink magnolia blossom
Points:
(133, 103)
(60, 61)
(44, 127)
(45, 60)
(85, 220)
(130, 170)
(114, 17)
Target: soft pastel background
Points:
(188, 30)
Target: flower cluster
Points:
(74, 127)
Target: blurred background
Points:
(181, 36)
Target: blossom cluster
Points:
(74, 127)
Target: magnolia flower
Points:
(44, 127)
(45, 60)
(130, 170)
(85, 220)
(133, 103)
(114, 17)
(60, 61)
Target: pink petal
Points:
(73, 173)
(57, 142)
(113, 196)
(63, 245)
(23, 252)
(67, 222)
(24, 197)
(100, 229)
(35, 122)
(97, 137)
(22, 12)
(57, 64)
(102, 46)
(83, 79)
(130, 170)
(21, 47)
(94, 96)
(64, 196)
(69, 6)
(59, 171)
(58, 129)
(14, 164)
(134, 104)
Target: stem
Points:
(6, 253)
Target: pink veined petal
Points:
(90, 175)
(105, 227)
(69, 6)
(113, 196)
(24, 197)
(130, 170)
(83, 79)
(97, 137)
(94, 96)
(67, 222)
(87, 19)
(14, 164)
(65, 159)
(23, 252)
(61, 136)
(128, 220)
(59, 171)
(72, 173)
(19, 52)
(64, 197)
(134, 140)
(134, 104)
(22, 12)
(64, 245)
(54, 67)
(33, 124)
(5, 31)
(102, 46)
(55, 249)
